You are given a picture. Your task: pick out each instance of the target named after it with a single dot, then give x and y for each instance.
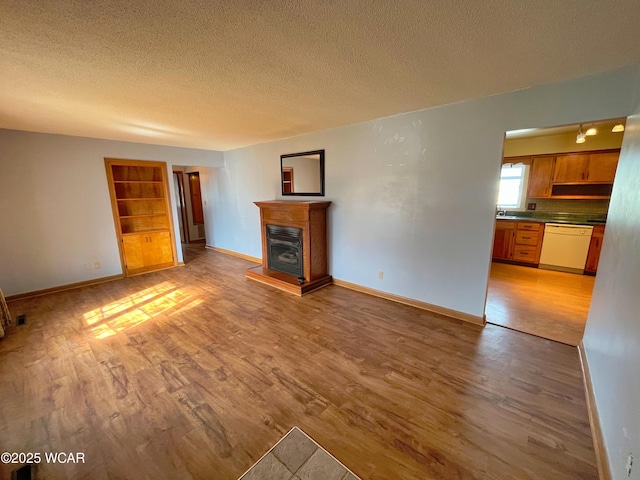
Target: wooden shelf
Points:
(146, 231)
(593, 190)
(139, 198)
(136, 181)
(143, 215)
(141, 211)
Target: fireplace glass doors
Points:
(284, 250)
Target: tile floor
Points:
(297, 457)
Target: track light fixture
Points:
(581, 137)
(617, 128)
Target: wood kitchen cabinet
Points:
(503, 240)
(540, 177)
(602, 167)
(518, 241)
(571, 168)
(528, 242)
(593, 257)
(582, 168)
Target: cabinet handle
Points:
(526, 238)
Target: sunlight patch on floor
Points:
(137, 308)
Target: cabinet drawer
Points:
(525, 237)
(525, 254)
(505, 225)
(528, 226)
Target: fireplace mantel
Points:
(311, 218)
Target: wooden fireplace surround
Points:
(311, 218)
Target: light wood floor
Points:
(546, 303)
(195, 372)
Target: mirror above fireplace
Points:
(302, 173)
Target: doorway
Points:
(551, 178)
(190, 184)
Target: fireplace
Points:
(294, 246)
(284, 250)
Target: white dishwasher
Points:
(565, 247)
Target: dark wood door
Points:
(196, 198)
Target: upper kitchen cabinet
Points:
(602, 167)
(540, 177)
(571, 168)
(581, 168)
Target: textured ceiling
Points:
(220, 75)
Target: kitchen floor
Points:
(546, 303)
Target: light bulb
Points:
(618, 128)
(581, 138)
(592, 131)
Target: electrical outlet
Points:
(380, 275)
(629, 464)
(96, 265)
(531, 206)
(87, 266)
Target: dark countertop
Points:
(551, 217)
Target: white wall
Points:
(612, 335)
(55, 212)
(414, 194)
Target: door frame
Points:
(182, 206)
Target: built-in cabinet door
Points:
(157, 249)
(571, 168)
(133, 251)
(146, 250)
(540, 177)
(602, 167)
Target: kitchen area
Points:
(555, 187)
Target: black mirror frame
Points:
(304, 154)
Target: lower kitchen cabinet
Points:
(519, 242)
(503, 240)
(593, 257)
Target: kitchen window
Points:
(513, 186)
